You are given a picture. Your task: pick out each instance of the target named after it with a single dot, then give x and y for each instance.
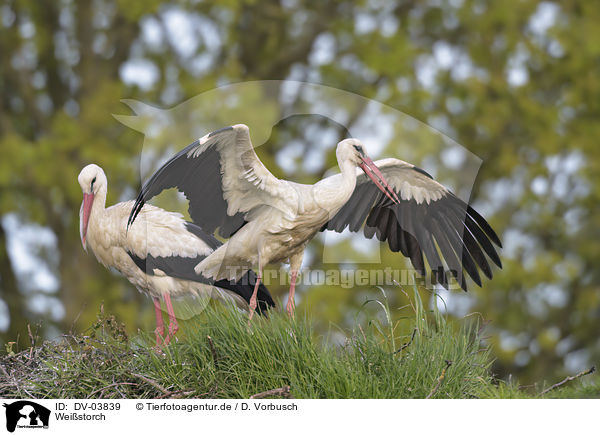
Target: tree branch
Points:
(568, 379)
(440, 380)
(282, 391)
(152, 382)
(405, 345)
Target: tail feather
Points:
(233, 279)
(245, 286)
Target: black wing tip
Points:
(485, 226)
(156, 183)
(140, 201)
(207, 238)
(135, 211)
(460, 278)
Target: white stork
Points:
(157, 257)
(268, 220)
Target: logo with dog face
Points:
(26, 414)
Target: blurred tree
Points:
(59, 82)
(513, 82)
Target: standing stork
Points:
(268, 220)
(158, 257)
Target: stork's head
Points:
(354, 151)
(92, 181)
(350, 150)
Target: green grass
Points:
(237, 361)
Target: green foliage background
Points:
(521, 91)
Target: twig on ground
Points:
(29, 394)
(176, 394)
(282, 391)
(440, 380)
(152, 382)
(568, 379)
(107, 387)
(405, 345)
(212, 349)
(118, 391)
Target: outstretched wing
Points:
(429, 220)
(223, 179)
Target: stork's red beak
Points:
(84, 215)
(377, 177)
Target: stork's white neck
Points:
(100, 198)
(333, 192)
(348, 170)
(98, 208)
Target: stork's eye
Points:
(358, 148)
(93, 181)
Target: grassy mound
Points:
(219, 356)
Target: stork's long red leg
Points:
(291, 306)
(295, 263)
(173, 325)
(160, 326)
(252, 304)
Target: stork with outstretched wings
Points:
(269, 220)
